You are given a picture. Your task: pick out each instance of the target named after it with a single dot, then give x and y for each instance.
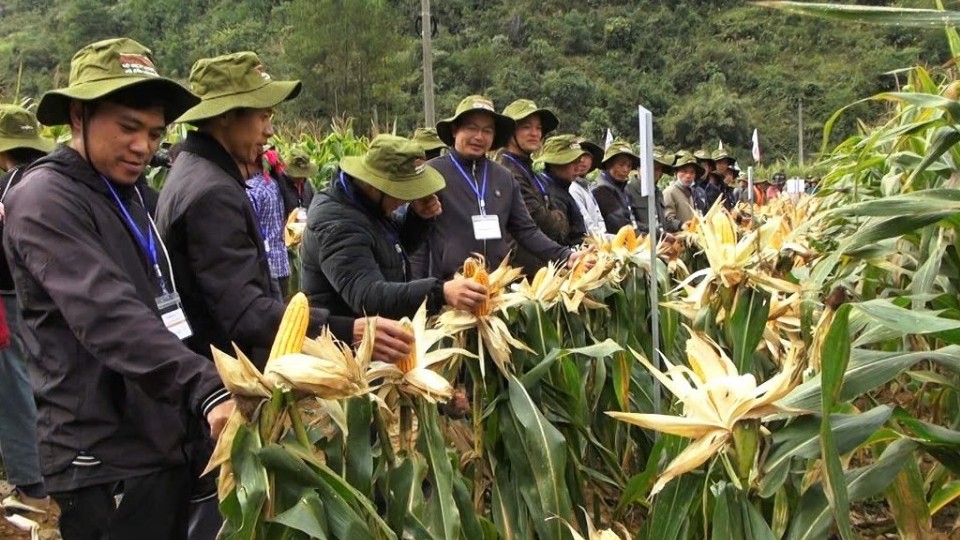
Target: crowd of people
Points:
(114, 293)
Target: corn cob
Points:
(481, 277)
(410, 361)
(293, 328)
(626, 238)
(470, 267)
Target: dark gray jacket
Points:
(114, 387)
(452, 240)
(218, 256)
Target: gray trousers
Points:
(18, 410)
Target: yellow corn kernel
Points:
(481, 277)
(293, 328)
(410, 361)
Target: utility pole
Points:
(800, 129)
(426, 38)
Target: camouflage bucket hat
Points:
(722, 154)
(665, 159)
(105, 67)
(595, 151)
(503, 125)
(561, 150)
(522, 108)
(703, 155)
(390, 165)
(299, 164)
(427, 139)
(19, 129)
(617, 148)
(234, 81)
(685, 158)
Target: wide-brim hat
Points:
(102, 68)
(595, 150)
(19, 129)
(391, 165)
(234, 81)
(503, 125)
(684, 158)
(427, 139)
(618, 148)
(299, 165)
(665, 159)
(722, 154)
(523, 108)
(703, 155)
(561, 150)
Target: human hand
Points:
(464, 294)
(218, 416)
(427, 207)
(576, 255)
(392, 342)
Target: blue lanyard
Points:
(529, 174)
(147, 244)
(481, 191)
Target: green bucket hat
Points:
(685, 158)
(234, 81)
(504, 125)
(596, 152)
(427, 139)
(390, 165)
(665, 159)
(617, 148)
(104, 67)
(720, 155)
(19, 129)
(522, 108)
(703, 155)
(299, 164)
(561, 150)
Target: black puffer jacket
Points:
(355, 261)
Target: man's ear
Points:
(76, 115)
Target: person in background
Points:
(580, 189)
(773, 190)
(265, 194)
(355, 249)
(21, 144)
(432, 146)
(662, 165)
(610, 187)
(561, 156)
(532, 125)
(678, 200)
(483, 211)
(103, 321)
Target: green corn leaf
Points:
(441, 515)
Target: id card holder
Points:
(173, 316)
(486, 227)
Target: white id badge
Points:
(173, 316)
(266, 246)
(301, 215)
(486, 227)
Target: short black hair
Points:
(24, 156)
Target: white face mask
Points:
(400, 213)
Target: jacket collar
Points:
(606, 179)
(208, 148)
(464, 162)
(67, 161)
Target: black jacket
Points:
(355, 260)
(614, 203)
(218, 256)
(451, 240)
(566, 223)
(295, 193)
(114, 387)
(639, 204)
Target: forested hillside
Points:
(708, 70)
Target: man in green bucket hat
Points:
(297, 191)
(561, 157)
(532, 125)
(355, 248)
(483, 210)
(717, 185)
(102, 315)
(610, 188)
(210, 225)
(20, 145)
(662, 164)
(428, 139)
(580, 189)
(679, 199)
